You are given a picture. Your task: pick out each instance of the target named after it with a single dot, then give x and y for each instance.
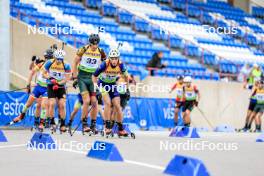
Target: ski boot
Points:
(36, 124)
(63, 128)
(47, 123)
(257, 131)
(41, 125)
(53, 126)
(17, 119)
(85, 128)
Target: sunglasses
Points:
(114, 58)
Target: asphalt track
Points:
(143, 156)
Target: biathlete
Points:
(259, 107)
(87, 60)
(252, 104)
(58, 74)
(124, 93)
(39, 92)
(191, 97)
(178, 86)
(108, 73)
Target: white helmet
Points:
(187, 79)
(114, 53)
(59, 54)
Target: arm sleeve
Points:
(47, 65)
(67, 68)
(100, 69)
(123, 69)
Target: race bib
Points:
(40, 78)
(260, 97)
(189, 94)
(88, 62)
(57, 75)
(179, 92)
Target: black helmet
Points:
(94, 39)
(48, 54)
(180, 77)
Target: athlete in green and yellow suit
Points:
(259, 108)
(87, 60)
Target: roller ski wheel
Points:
(53, 129)
(70, 130)
(133, 136)
(35, 127)
(102, 133)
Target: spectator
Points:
(155, 62)
(244, 73)
(255, 74)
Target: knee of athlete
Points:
(38, 105)
(86, 102)
(61, 105)
(118, 108)
(51, 104)
(107, 104)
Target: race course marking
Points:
(82, 152)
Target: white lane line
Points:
(13, 146)
(144, 164)
(82, 152)
(126, 161)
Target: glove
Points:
(75, 84)
(28, 89)
(55, 87)
(196, 103)
(53, 81)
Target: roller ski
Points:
(63, 127)
(53, 126)
(16, 120)
(41, 126)
(243, 130)
(93, 130)
(123, 132)
(85, 128)
(108, 133)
